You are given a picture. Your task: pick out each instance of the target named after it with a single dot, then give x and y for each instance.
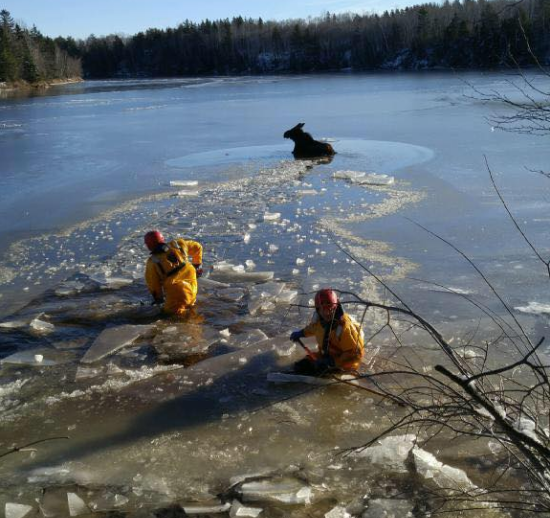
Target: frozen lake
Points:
(86, 169)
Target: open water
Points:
(178, 408)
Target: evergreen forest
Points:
(28, 56)
(461, 34)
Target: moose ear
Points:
(301, 125)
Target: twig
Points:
(19, 448)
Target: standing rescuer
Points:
(339, 338)
(169, 275)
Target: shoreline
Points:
(19, 86)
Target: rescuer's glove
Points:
(296, 335)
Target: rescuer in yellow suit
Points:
(169, 275)
(339, 338)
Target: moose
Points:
(305, 146)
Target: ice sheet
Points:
(34, 357)
(113, 339)
(14, 510)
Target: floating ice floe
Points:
(249, 338)
(178, 342)
(206, 509)
(76, 505)
(113, 339)
(534, 308)
(338, 512)
(13, 510)
(69, 288)
(237, 273)
(87, 372)
(390, 452)
(183, 183)
(265, 296)
(442, 475)
(286, 491)
(231, 294)
(108, 501)
(14, 324)
(306, 192)
(184, 193)
(364, 178)
(40, 326)
(106, 282)
(205, 282)
(34, 357)
(49, 475)
(240, 510)
(272, 216)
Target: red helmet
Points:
(153, 239)
(326, 298)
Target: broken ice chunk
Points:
(206, 509)
(236, 273)
(31, 357)
(68, 288)
(338, 512)
(183, 183)
(231, 294)
(443, 476)
(272, 216)
(209, 283)
(113, 339)
(87, 372)
(252, 337)
(40, 326)
(108, 501)
(107, 282)
(187, 193)
(250, 264)
(390, 452)
(238, 509)
(13, 510)
(364, 178)
(49, 475)
(287, 491)
(14, 324)
(77, 506)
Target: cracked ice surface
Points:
(196, 388)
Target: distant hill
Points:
(28, 57)
(460, 34)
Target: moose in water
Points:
(305, 146)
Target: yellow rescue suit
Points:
(168, 273)
(345, 342)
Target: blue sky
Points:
(80, 18)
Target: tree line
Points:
(27, 55)
(458, 34)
